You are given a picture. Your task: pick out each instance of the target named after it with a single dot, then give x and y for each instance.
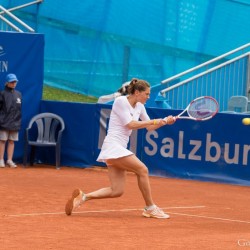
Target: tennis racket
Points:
(200, 109)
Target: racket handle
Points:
(174, 118)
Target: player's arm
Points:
(169, 120)
(145, 124)
(151, 124)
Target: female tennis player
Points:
(128, 113)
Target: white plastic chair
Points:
(238, 104)
(49, 128)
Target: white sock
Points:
(150, 207)
(84, 197)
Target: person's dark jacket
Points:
(10, 109)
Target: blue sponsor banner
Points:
(216, 150)
(213, 150)
(23, 55)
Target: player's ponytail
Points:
(137, 84)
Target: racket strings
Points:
(203, 108)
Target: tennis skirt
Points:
(112, 150)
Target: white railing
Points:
(221, 81)
(6, 24)
(246, 46)
(13, 23)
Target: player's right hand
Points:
(170, 120)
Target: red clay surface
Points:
(203, 215)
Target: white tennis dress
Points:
(116, 142)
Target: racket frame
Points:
(189, 117)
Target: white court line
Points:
(97, 211)
(136, 209)
(209, 217)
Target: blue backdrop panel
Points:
(78, 137)
(215, 150)
(25, 59)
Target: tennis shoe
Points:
(77, 198)
(2, 165)
(11, 164)
(156, 212)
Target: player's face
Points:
(143, 96)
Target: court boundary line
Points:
(135, 209)
(211, 217)
(98, 211)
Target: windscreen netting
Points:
(92, 47)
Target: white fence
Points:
(216, 79)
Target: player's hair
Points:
(137, 84)
(123, 90)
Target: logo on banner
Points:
(213, 151)
(204, 150)
(1, 51)
(3, 64)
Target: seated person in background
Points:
(109, 98)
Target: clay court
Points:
(203, 215)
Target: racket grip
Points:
(174, 118)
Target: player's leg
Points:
(117, 173)
(133, 164)
(117, 179)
